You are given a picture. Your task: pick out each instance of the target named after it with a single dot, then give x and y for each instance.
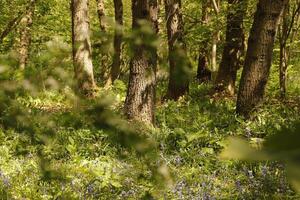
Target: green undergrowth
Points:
(89, 159)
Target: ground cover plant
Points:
(146, 99)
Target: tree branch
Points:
(15, 22)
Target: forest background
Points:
(92, 133)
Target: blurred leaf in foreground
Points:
(283, 146)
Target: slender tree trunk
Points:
(214, 48)
(101, 14)
(283, 54)
(16, 21)
(82, 51)
(215, 40)
(11, 26)
(203, 72)
(234, 47)
(25, 35)
(287, 32)
(140, 100)
(179, 78)
(104, 56)
(154, 11)
(116, 65)
(259, 55)
(283, 65)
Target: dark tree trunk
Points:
(116, 65)
(203, 72)
(259, 55)
(82, 51)
(234, 47)
(179, 67)
(140, 100)
(25, 35)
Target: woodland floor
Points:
(189, 135)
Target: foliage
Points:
(56, 145)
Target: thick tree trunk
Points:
(25, 36)
(179, 78)
(101, 14)
(203, 72)
(234, 47)
(82, 51)
(140, 100)
(116, 65)
(259, 55)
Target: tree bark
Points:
(259, 55)
(283, 66)
(140, 99)
(25, 35)
(101, 14)
(287, 32)
(179, 67)
(283, 54)
(215, 40)
(116, 65)
(82, 51)
(234, 47)
(104, 56)
(203, 72)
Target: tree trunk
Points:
(25, 35)
(140, 99)
(203, 72)
(104, 56)
(215, 40)
(15, 22)
(116, 65)
(259, 55)
(101, 14)
(287, 32)
(283, 54)
(283, 65)
(179, 67)
(82, 51)
(234, 47)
